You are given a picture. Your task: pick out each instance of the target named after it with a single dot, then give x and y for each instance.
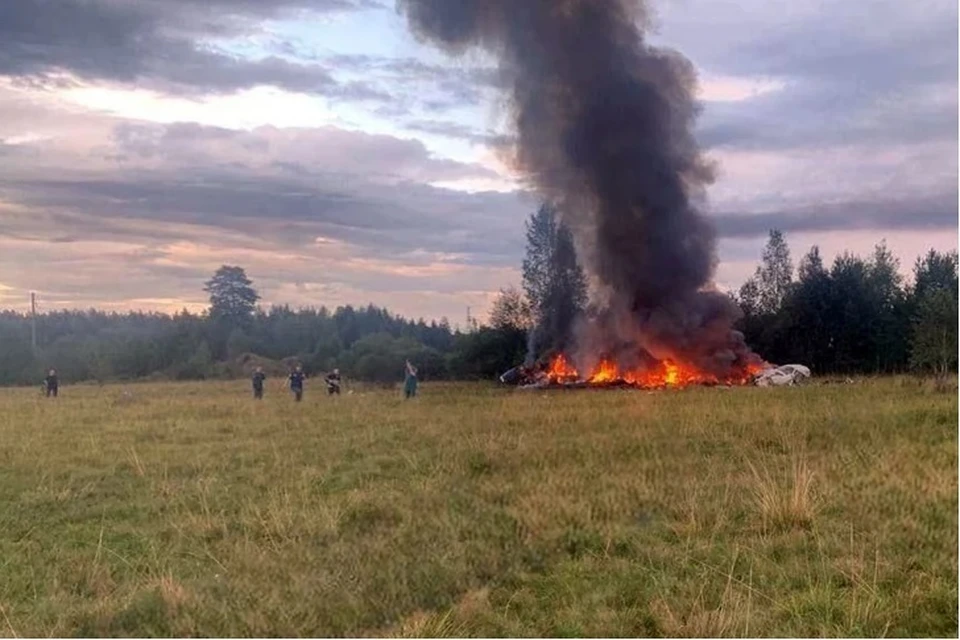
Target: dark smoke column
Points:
(604, 124)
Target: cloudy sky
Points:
(143, 143)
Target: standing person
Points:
(51, 384)
(296, 382)
(258, 378)
(410, 381)
(333, 382)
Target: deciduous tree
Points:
(511, 310)
(765, 291)
(934, 345)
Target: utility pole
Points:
(471, 322)
(33, 321)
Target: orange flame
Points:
(673, 373)
(666, 373)
(562, 371)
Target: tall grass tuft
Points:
(785, 500)
(697, 619)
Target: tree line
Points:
(234, 334)
(367, 343)
(857, 316)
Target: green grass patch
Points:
(190, 509)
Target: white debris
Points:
(540, 381)
(782, 376)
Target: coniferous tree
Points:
(553, 281)
(232, 296)
(890, 319)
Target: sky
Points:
(319, 145)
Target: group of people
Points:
(51, 383)
(333, 380)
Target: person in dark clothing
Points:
(258, 378)
(410, 381)
(51, 384)
(333, 382)
(296, 382)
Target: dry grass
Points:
(188, 509)
(785, 502)
(728, 617)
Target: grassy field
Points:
(189, 509)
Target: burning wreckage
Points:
(559, 373)
(603, 131)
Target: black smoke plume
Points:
(604, 126)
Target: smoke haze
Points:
(604, 126)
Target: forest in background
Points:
(858, 315)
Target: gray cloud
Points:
(457, 79)
(349, 216)
(416, 85)
(160, 43)
(293, 185)
(395, 219)
(876, 74)
(866, 119)
(389, 220)
(930, 213)
(909, 44)
(287, 185)
(810, 116)
(328, 154)
(459, 131)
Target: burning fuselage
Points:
(665, 373)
